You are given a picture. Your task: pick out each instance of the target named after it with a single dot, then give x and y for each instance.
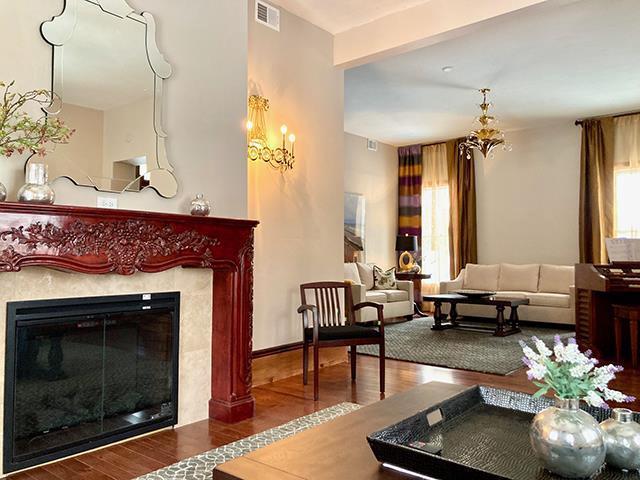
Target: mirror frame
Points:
(59, 30)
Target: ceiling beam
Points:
(418, 27)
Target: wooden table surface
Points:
(337, 449)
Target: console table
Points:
(337, 449)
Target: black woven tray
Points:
(482, 433)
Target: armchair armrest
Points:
(407, 286)
(378, 306)
(572, 297)
(358, 292)
(451, 285)
(304, 311)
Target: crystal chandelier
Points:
(488, 136)
(258, 148)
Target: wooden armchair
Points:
(325, 324)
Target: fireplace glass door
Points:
(84, 375)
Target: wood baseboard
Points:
(276, 363)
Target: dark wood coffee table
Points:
(337, 449)
(503, 329)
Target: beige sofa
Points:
(549, 288)
(396, 303)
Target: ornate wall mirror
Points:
(108, 72)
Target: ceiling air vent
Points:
(267, 15)
(372, 145)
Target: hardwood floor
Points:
(277, 403)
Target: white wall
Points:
(375, 175)
(206, 43)
(301, 211)
(528, 198)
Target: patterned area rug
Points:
(201, 466)
(414, 341)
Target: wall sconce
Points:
(257, 144)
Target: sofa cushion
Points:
(346, 332)
(395, 295)
(351, 273)
(384, 279)
(366, 275)
(523, 278)
(549, 300)
(556, 278)
(375, 296)
(481, 277)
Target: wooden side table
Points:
(416, 278)
(627, 314)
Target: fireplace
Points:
(85, 372)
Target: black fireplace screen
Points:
(81, 373)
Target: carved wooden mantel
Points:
(100, 241)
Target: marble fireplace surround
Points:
(92, 252)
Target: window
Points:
(435, 216)
(435, 233)
(627, 199)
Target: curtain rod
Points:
(615, 115)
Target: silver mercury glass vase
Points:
(3, 192)
(568, 441)
(622, 438)
(36, 190)
(200, 206)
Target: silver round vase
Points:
(200, 206)
(622, 437)
(3, 192)
(568, 441)
(36, 190)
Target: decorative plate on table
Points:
(474, 293)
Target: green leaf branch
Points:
(19, 132)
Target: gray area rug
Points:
(414, 341)
(201, 466)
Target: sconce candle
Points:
(281, 158)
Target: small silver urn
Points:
(622, 437)
(36, 190)
(200, 206)
(568, 441)
(3, 192)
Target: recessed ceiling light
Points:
(447, 69)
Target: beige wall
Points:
(375, 175)
(528, 198)
(205, 99)
(129, 133)
(88, 142)
(301, 211)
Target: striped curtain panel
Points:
(410, 191)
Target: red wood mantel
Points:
(100, 241)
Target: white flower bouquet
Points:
(570, 373)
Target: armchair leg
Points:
(353, 362)
(316, 372)
(382, 354)
(305, 363)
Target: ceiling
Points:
(569, 61)
(337, 16)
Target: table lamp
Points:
(406, 244)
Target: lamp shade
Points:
(406, 243)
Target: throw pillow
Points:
(366, 275)
(384, 279)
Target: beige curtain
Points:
(596, 188)
(627, 141)
(435, 216)
(626, 175)
(463, 228)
